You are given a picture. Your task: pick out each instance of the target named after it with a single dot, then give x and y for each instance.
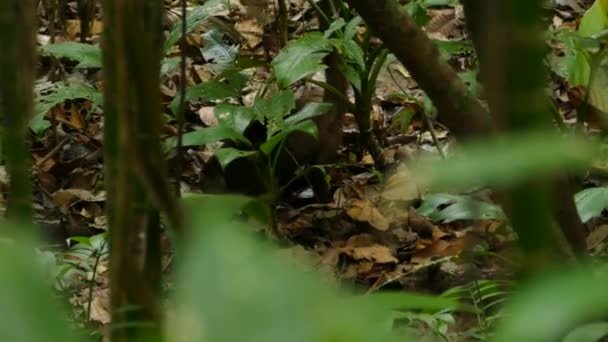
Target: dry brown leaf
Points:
(401, 185)
(65, 198)
(366, 211)
(377, 253)
(100, 308)
(251, 31)
(207, 116)
(597, 236)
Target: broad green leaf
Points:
(579, 69)
(30, 310)
(206, 136)
(435, 3)
(307, 126)
(273, 110)
(281, 104)
(309, 111)
(227, 155)
(235, 116)
(350, 31)
(57, 95)
(300, 58)
(215, 51)
(598, 96)
(333, 27)
(452, 47)
(211, 90)
(352, 75)
(353, 53)
(416, 11)
(591, 332)
(410, 301)
(169, 64)
(198, 16)
(241, 64)
(509, 160)
(554, 301)
(593, 21)
(433, 201)
(87, 56)
(448, 208)
(229, 280)
(591, 202)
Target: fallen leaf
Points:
(100, 309)
(377, 253)
(207, 116)
(365, 211)
(597, 236)
(401, 186)
(251, 31)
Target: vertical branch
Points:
(510, 53)
(282, 22)
(182, 102)
(17, 66)
(135, 171)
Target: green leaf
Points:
(448, 208)
(350, 31)
(353, 53)
(211, 90)
(591, 202)
(451, 47)
(352, 75)
(227, 155)
(309, 111)
(593, 21)
(169, 64)
(554, 301)
(58, 94)
(275, 109)
(589, 332)
(509, 160)
(307, 126)
(30, 310)
(229, 280)
(410, 301)
(416, 11)
(206, 136)
(87, 56)
(235, 116)
(333, 27)
(194, 19)
(221, 55)
(439, 3)
(300, 58)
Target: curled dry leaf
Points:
(366, 211)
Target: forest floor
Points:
(378, 233)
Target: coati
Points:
(242, 175)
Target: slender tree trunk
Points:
(132, 48)
(507, 38)
(17, 72)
